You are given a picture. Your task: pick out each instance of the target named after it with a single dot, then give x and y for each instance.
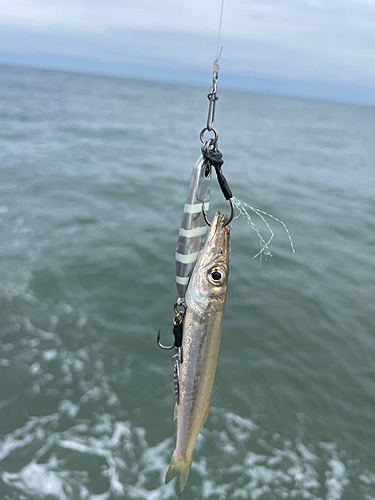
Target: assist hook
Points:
(166, 348)
(215, 159)
(177, 328)
(228, 221)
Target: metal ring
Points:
(207, 145)
(177, 312)
(205, 129)
(178, 319)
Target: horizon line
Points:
(177, 81)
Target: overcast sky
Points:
(312, 48)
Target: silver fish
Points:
(205, 301)
(193, 228)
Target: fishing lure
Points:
(194, 220)
(193, 227)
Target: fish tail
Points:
(181, 469)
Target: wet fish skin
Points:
(205, 301)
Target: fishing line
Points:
(218, 49)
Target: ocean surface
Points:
(93, 175)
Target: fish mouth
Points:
(217, 241)
(217, 224)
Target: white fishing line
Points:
(218, 49)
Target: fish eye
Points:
(216, 276)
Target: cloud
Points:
(329, 42)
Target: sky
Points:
(323, 49)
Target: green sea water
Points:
(93, 175)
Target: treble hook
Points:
(230, 217)
(166, 348)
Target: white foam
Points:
(34, 369)
(234, 457)
(135, 470)
(68, 409)
(49, 354)
(37, 479)
(81, 322)
(11, 443)
(336, 479)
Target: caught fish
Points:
(193, 227)
(205, 301)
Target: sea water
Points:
(93, 175)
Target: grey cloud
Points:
(329, 43)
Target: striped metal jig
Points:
(193, 227)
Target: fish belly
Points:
(197, 372)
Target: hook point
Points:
(205, 216)
(166, 348)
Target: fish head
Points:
(208, 283)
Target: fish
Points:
(205, 302)
(193, 228)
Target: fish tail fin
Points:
(181, 469)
